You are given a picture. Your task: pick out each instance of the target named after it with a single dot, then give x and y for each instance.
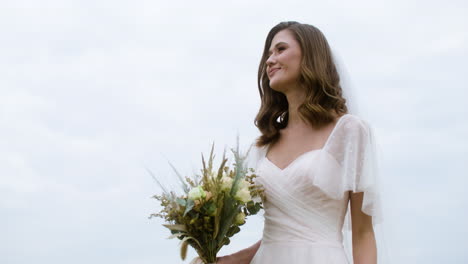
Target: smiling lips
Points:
(273, 71)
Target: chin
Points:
(275, 87)
(279, 87)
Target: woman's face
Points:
(283, 64)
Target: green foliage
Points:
(182, 202)
(253, 208)
(207, 223)
(189, 206)
(209, 208)
(233, 230)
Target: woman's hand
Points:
(228, 259)
(244, 256)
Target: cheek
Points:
(294, 67)
(293, 62)
(298, 64)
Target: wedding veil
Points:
(349, 93)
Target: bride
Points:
(314, 158)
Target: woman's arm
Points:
(244, 256)
(364, 245)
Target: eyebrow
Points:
(277, 44)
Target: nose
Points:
(270, 61)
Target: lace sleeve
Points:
(353, 148)
(254, 156)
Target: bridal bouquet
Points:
(213, 206)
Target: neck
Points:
(295, 98)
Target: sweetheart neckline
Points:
(292, 162)
(313, 150)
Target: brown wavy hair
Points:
(318, 75)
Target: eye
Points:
(279, 49)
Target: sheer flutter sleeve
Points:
(254, 155)
(354, 165)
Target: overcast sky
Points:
(92, 92)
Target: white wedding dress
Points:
(307, 202)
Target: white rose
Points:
(243, 184)
(196, 193)
(243, 195)
(240, 218)
(226, 183)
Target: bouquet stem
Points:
(207, 256)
